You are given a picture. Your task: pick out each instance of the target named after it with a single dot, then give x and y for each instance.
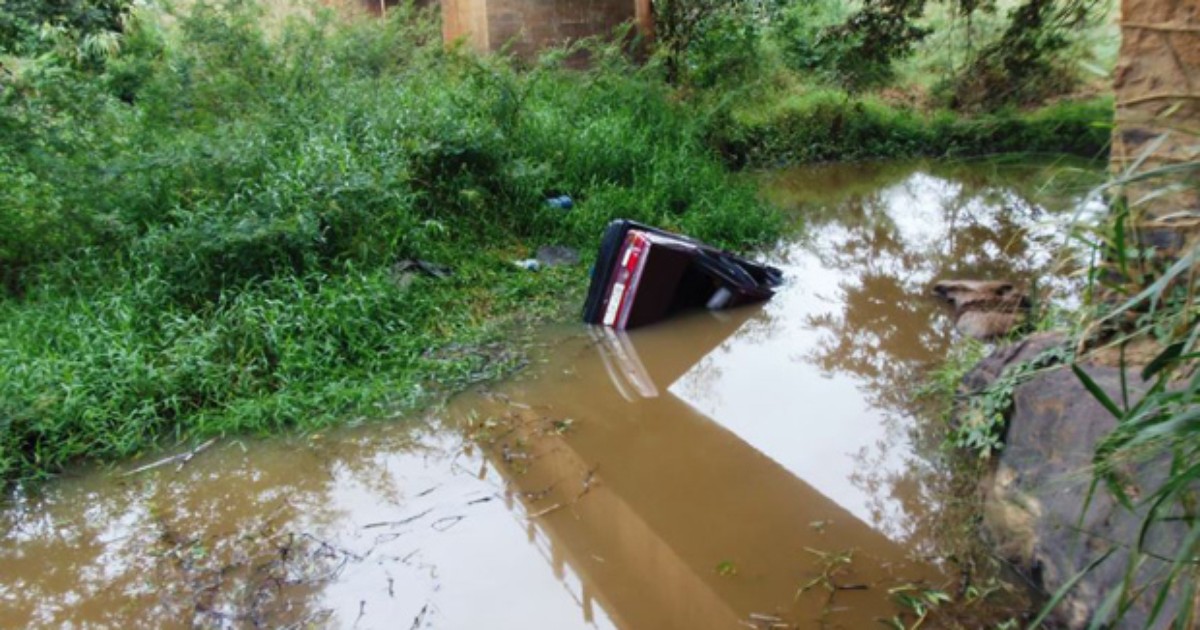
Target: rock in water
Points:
(1035, 494)
(984, 309)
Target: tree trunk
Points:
(1157, 125)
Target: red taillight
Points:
(624, 286)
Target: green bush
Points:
(1029, 62)
(826, 124)
(710, 43)
(21, 20)
(726, 51)
(853, 49)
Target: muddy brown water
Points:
(695, 474)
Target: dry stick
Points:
(331, 574)
(758, 621)
(420, 618)
(335, 550)
(362, 610)
(1160, 96)
(1159, 159)
(552, 508)
(182, 458)
(1171, 28)
(396, 523)
(450, 521)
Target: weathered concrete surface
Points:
(525, 27)
(379, 7)
(1037, 490)
(1157, 89)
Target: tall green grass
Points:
(1150, 463)
(198, 235)
(201, 213)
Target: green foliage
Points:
(967, 55)
(916, 601)
(826, 124)
(830, 567)
(871, 39)
(706, 43)
(1150, 296)
(982, 421)
(801, 31)
(23, 22)
(852, 49)
(825, 86)
(942, 383)
(198, 236)
(726, 52)
(1027, 63)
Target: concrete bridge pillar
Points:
(525, 27)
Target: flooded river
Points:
(758, 468)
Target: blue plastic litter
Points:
(562, 202)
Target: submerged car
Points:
(644, 275)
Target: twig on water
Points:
(450, 521)
(182, 458)
(397, 523)
(362, 610)
(420, 618)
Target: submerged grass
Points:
(199, 235)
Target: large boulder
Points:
(1036, 492)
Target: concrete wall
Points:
(525, 27)
(466, 19)
(377, 7)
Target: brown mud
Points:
(763, 467)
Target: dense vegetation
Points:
(207, 217)
(207, 214)
(1145, 298)
(201, 224)
(830, 80)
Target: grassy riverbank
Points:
(206, 216)
(823, 80)
(200, 232)
(831, 125)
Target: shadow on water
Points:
(696, 474)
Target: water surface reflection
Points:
(685, 475)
